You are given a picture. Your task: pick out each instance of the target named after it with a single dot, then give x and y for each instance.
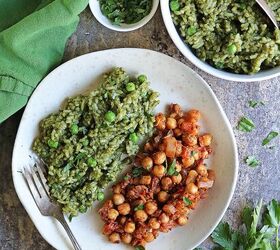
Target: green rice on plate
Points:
(93, 137)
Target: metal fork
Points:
(37, 184)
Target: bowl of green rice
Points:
(230, 39)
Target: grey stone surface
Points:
(17, 230)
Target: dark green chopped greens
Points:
(245, 124)
(254, 104)
(261, 230)
(137, 171)
(171, 169)
(139, 248)
(187, 201)
(252, 161)
(125, 11)
(139, 207)
(269, 137)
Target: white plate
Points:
(188, 53)
(176, 83)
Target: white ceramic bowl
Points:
(96, 11)
(187, 52)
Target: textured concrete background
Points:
(17, 230)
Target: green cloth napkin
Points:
(33, 34)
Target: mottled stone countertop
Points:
(17, 230)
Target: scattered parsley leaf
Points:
(225, 237)
(171, 170)
(187, 201)
(269, 137)
(251, 161)
(127, 177)
(273, 214)
(245, 124)
(70, 217)
(139, 207)
(67, 167)
(254, 104)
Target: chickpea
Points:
(117, 189)
(158, 170)
(154, 224)
(177, 178)
(150, 207)
(211, 174)
(166, 183)
(178, 167)
(124, 209)
(161, 147)
(202, 170)
(147, 162)
(180, 121)
(118, 199)
(126, 238)
(182, 220)
(115, 238)
(171, 123)
(159, 157)
(193, 114)
(191, 177)
(169, 209)
(148, 147)
(163, 196)
(189, 140)
(113, 214)
(204, 154)
(192, 188)
(179, 149)
(122, 220)
(205, 140)
(129, 227)
(160, 121)
(177, 132)
(173, 115)
(164, 218)
(140, 216)
(145, 180)
(188, 161)
(175, 108)
(148, 237)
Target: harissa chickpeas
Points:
(170, 181)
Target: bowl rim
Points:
(187, 52)
(95, 9)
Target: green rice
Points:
(84, 151)
(235, 36)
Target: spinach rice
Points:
(234, 35)
(92, 138)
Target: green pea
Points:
(91, 162)
(85, 142)
(134, 138)
(191, 30)
(174, 5)
(232, 49)
(100, 196)
(130, 87)
(142, 78)
(52, 143)
(110, 116)
(74, 129)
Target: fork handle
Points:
(69, 232)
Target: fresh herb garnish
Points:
(269, 137)
(139, 207)
(139, 248)
(245, 124)
(138, 171)
(187, 201)
(251, 161)
(172, 170)
(123, 11)
(258, 234)
(254, 104)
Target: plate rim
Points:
(207, 87)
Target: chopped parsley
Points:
(254, 104)
(251, 161)
(138, 171)
(269, 137)
(187, 201)
(139, 207)
(245, 124)
(172, 170)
